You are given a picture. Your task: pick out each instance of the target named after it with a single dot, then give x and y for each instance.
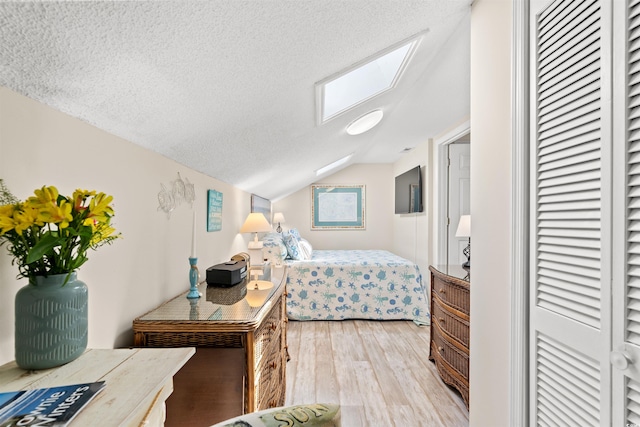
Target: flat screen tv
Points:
(409, 191)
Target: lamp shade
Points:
(464, 226)
(278, 217)
(255, 223)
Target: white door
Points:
(570, 299)
(459, 197)
(625, 355)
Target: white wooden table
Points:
(138, 381)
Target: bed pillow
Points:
(305, 249)
(273, 248)
(293, 248)
(295, 233)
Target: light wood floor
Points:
(378, 372)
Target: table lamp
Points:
(255, 223)
(278, 218)
(464, 230)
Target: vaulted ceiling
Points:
(227, 87)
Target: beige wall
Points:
(378, 234)
(41, 146)
(490, 209)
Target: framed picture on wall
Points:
(214, 210)
(337, 207)
(262, 205)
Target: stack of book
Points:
(53, 406)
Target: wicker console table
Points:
(450, 321)
(240, 340)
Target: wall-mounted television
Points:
(409, 191)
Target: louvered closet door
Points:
(625, 356)
(570, 312)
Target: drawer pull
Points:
(441, 319)
(273, 326)
(442, 291)
(440, 349)
(273, 365)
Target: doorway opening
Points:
(453, 154)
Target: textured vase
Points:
(51, 322)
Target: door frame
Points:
(441, 187)
(520, 218)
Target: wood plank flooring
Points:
(379, 372)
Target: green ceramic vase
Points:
(51, 322)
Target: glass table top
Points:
(243, 302)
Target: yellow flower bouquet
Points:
(50, 233)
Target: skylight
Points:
(333, 165)
(363, 82)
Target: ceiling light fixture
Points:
(333, 165)
(365, 123)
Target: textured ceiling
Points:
(227, 87)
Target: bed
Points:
(350, 284)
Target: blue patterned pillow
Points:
(295, 233)
(273, 248)
(291, 243)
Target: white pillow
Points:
(305, 249)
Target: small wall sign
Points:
(214, 210)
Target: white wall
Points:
(490, 209)
(378, 232)
(411, 232)
(40, 146)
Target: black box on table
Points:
(226, 274)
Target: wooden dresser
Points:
(241, 354)
(450, 320)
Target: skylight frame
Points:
(413, 43)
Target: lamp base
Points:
(255, 256)
(254, 245)
(467, 253)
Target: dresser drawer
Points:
(454, 293)
(268, 333)
(451, 376)
(271, 386)
(270, 373)
(450, 321)
(269, 359)
(448, 351)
